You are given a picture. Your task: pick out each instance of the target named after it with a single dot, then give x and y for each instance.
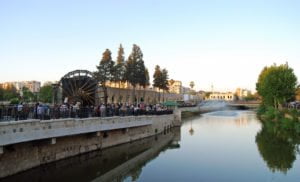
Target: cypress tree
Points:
(157, 79)
(164, 82)
(105, 71)
(135, 69)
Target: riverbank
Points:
(283, 119)
(31, 143)
(117, 162)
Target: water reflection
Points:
(191, 129)
(239, 117)
(112, 164)
(278, 147)
(217, 146)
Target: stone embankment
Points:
(30, 143)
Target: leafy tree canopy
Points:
(119, 69)
(27, 95)
(104, 71)
(8, 93)
(276, 84)
(135, 67)
(45, 94)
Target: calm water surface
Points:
(217, 146)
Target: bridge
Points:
(209, 106)
(244, 104)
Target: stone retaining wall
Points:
(27, 144)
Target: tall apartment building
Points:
(175, 86)
(242, 93)
(33, 86)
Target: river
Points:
(216, 146)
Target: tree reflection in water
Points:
(277, 146)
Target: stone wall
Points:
(148, 96)
(76, 137)
(102, 165)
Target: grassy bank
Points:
(283, 120)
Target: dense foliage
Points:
(104, 71)
(27, 95)
(45, 94)
(119, 70)
(276, 85)
(133, 70)
(9, 94)
(136, 71)
(161, 79)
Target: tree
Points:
(157, 79)
(46, 93)
(1, 93)
(192, 84)
(160, 79)
(104, 72)
(119, 70)
(164, 83)
(135, 69)
(145, 81)
(27, 95)
(10, 92)
(276, 85)
(297, 94)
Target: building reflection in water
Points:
(112, 164)
(239, 118)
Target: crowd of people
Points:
(76, 110)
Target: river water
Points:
(216, 146)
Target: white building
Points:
(175, 86)
(242, 93)
(33, 86)
(227, 96)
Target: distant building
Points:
(121, 92)
(175, 86)
(242, 93)
(201, 94)
(33, 86)
(227, 96)
(186, 90)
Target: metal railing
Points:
(10, 113)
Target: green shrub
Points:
(287, 124)
(273, 114)
(261, 110)
(297, 128)
(295, 114)
(14, 101)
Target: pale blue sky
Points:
(224, 43)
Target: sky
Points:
(221, 43)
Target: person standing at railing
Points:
(19, 109)
(40, 112)
(35, 110)
(103, 110)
